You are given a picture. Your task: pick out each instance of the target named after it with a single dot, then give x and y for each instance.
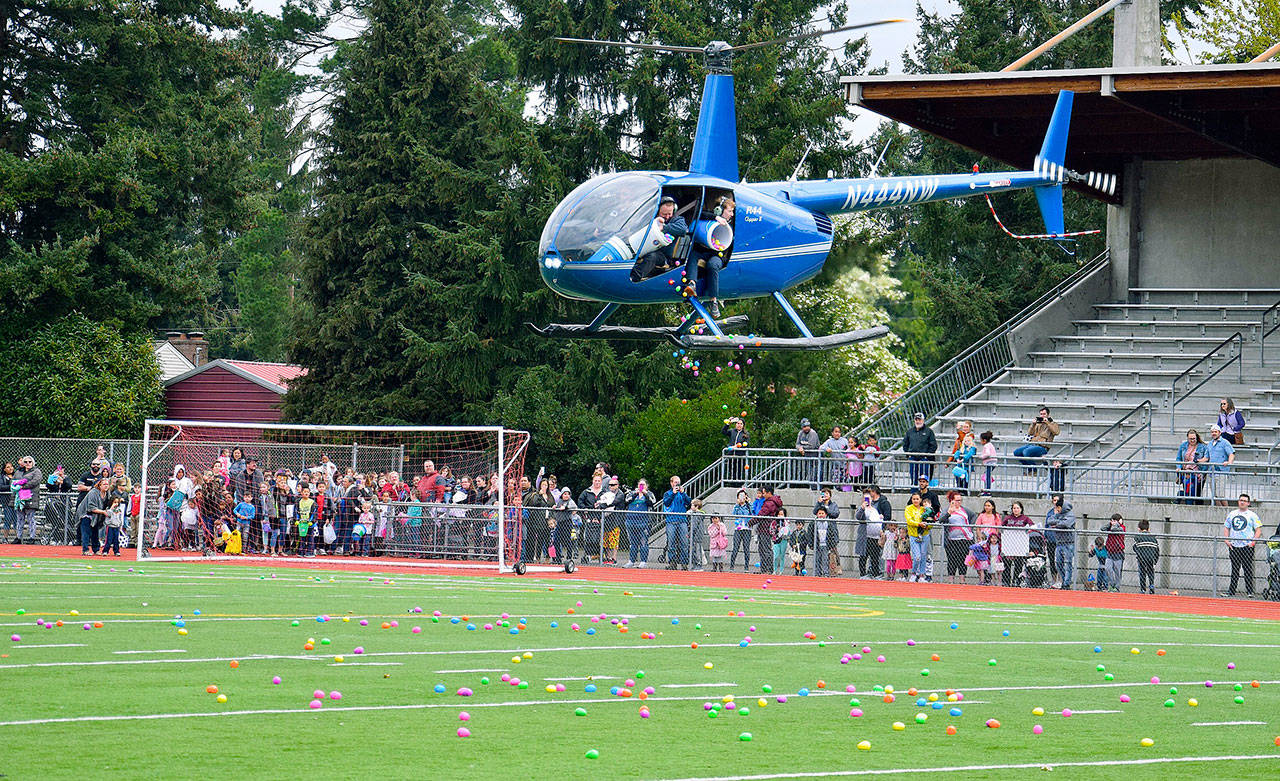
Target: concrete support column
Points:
(1124, 234)
(1136, 39)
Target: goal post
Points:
(448, 495)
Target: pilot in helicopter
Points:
(672, 227)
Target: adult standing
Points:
(92, 512)
(826, 503)
(537, 505)
(26, 483)
(872, 515)
(833, 450)
(958, 537)
(1060, 527)
(640, 504)
(741, 531)
(765, 524)
(928, 495)
(1231, 422)
(1115, 550)
(1193, 454)
(1221, 456)
(807, 446)
(823, 539)
(238, 463)
(736, 440)
(920, 443)
(675, 503)
(1015, 543)
(246, 479)
(918, 516)
(1242, 530)
(591, 505)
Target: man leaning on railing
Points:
(920, 443)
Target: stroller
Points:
(1036, 567)
(1272, 591)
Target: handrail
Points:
(1262, 325)
(988, 367)
(1237, 359)
(1146, 405)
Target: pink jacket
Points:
(716, 534)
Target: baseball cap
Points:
(1216, 427)
(919, 416)
(804, 422)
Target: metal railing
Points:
(1263, 332)
(962, 375)
(1188, 374)
(1143, 410)
(1142, 475)
(1187, 562)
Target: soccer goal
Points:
(434, 495)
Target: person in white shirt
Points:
(1241, 531)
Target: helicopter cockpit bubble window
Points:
(615, 205)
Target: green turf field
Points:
(130, 699)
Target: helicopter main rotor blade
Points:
(625, 45)
(802, 36)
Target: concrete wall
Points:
(1209, 222)
(1076, 303)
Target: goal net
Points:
(446, 494)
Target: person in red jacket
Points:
(1115, 550)
(430, 488)
(765, 525)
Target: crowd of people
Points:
(231, 505)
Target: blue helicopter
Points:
(664, 237)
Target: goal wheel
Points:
(570, 567)
(519, 568)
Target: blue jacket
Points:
(1061, 527)
(677, 506)
(639, 504)
(675, 228)
(1202, 451)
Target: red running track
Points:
(1162, 603)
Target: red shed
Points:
(235, 391)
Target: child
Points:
(304, 524)
(224, 459)
(135, 510)
(889, 546)
(902, 544)
(386, 526)
(988, 452)
(1146, 548)
(797, 548)
(245, 512)
(1099, 552)
(741, 532)
(870, 452)
(823, 538)
(719, 539)
(115, 520)
(697, 523)
(979, 558)
(964, 461)
(363, 531)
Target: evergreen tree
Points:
(419, 267)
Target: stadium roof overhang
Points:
(1120, 114)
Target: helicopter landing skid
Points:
(775, 343)
(579, 331)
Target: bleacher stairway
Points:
(1169, 345)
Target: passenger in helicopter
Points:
(711, 261)
(673, 226)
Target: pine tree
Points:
(418, 267)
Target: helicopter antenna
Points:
(718, 55)
(875, 168)
(803, 157)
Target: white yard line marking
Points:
(976, 768)
(157, 651)
(1224, 723)
(366, 664)
(1075, 712)
(578, 677)
(695, 685)
(605, 700)
(480, 670)
(16, 646)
